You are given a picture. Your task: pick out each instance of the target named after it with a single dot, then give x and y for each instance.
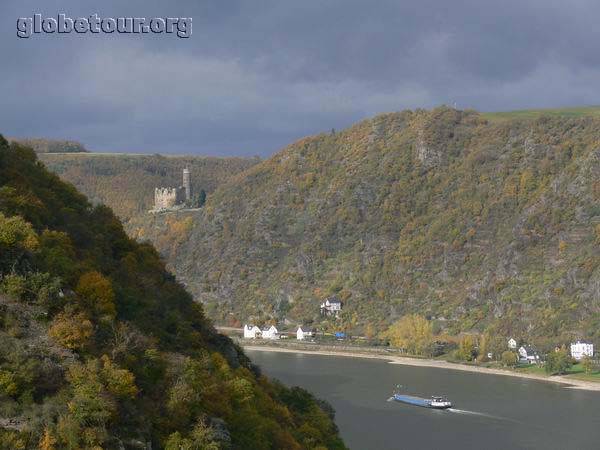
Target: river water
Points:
(490, 411)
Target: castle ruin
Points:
(167, 198)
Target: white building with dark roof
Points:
(529, 353)
(581, 349)
(331, 305)
(251, 332)
(304, 333)
(270, 333)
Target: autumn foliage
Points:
(101, 347)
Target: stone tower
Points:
(187, 184)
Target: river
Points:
(490, 411)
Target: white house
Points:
(512, 344)
(270, 333)
(304, 333)
(332, 305)
(529, 353)
(580, 349)
(251, 332)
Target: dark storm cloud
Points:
(256, 75)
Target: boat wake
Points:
(475, 413)
(464, 411)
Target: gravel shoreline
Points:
(567, 382)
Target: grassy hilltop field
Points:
(575, 112)
(476, 221)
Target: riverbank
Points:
(434, 363)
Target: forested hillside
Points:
(126, 182)
(41, 145)
(100, 347)
(475, 224)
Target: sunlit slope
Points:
(476, 224)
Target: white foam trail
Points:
(390, 399)
(480, 414)
(464, 411)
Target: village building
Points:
(270, 333)
(331, 305)
(304, 333)
(512, 344)
(251, 332)
(529, 354)
(581, 349)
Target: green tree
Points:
(467, 350)
(558, 362)
(588, 364)
(201, 198)
(8, 383)
(119, 382)
(14, 285)
(510, 358)
(56, 253)
(202, 437)
(484, 347)
(91, 406)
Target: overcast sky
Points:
(256, 75)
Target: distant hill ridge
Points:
(43, 145)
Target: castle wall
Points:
(165, 198)
(169, 198)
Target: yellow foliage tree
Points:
(73, 331)
(484, 344)
(16, 232)
(527, 181)
(8, 383)
(466, 349)
(47, 442)
(17, 238)
(97, 295)
(119, 382)
(562, 246)
(413, 333)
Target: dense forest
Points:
(126, 182)
(478, 225)
(101, 347)
(41, 145)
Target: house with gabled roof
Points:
(331, 305)
(251, 332)
(529, 354)
(304, 333)
(270, 333)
